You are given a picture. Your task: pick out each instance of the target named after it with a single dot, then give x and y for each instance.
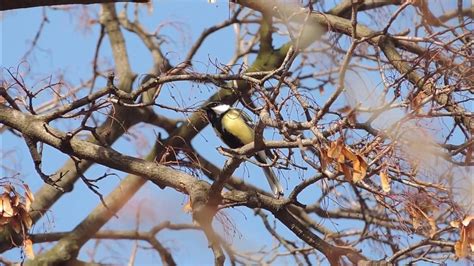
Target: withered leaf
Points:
(345, 109)
(466, 240)
(335, 149)
(8, 189)
(28, 248)
(6, 209)
(29, 195)
(349, 154)
(460, 249)
(455, 224)
(187, 207)
(15, 200)
(385, 181)
(433, 226)
(416, 216)
(323, 158)
(27, 204)
(360, 169)
(347, 172)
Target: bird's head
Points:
(216, 107)
(214, 110)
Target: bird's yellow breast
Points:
(233, 123)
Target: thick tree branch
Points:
(9, 5)
(37, 129)
(112, 27)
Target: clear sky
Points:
(65, 51)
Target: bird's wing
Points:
(252, 125)
(247, 118)
(262, 157)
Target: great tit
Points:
(235, 129)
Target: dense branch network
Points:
(376, 173)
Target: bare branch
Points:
(9, 5)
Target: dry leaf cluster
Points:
(14, 214)
(466, 240)
(353, 165)
(421, 210)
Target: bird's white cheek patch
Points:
(220, 109)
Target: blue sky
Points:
(66, 49)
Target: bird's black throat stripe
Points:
(230, 140)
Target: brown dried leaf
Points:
(468, 222)
(351, 114)
(455, 224)
(29, 195)
(351, 118)
(28, 248)
(416, 216)
(349, 154)
(27, 204)
(431, 221)
(6, 209)
(335, 149)
(433, 226)
(416, 222)
(8, 189)
(323, 158)
(341, 159)
(385, 181)
(466, 240)
(360, 169)
(460, 249)
(347, 172)
(15, 200)
(426, 13)
(339, 167)
(417, 101)
(187, 207)
(345, 109)
(420, 215)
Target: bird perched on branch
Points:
(234, 128)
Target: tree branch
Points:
(17, 4)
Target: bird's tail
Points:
(272, 179)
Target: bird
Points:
(234, 127)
